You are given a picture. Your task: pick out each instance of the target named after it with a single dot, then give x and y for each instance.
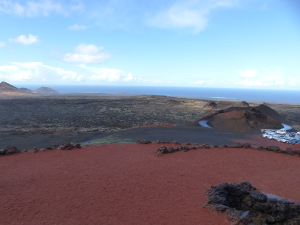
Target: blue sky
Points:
(200, 43)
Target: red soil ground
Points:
(128, 184)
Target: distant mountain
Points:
(7, 89)
(46, 91)
(26, 89)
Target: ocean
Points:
(258, 95)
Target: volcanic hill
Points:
(7, 89)
(245, 118)
(46, 91)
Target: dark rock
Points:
(244, 103)
(172, 149)
(9, 150)
(139, 141)
(66, 146)
(184, 148)
(257, 196)
(77, 145)
(273, 148)
(239, 145)
(2, 151)
(217, 209)
(245, 205)
(238, 217)
(290, 151)
(211, 104)
(161, 150)
(206, 146)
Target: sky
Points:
(181, 43)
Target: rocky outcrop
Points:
(9, 150)
(211, 105)
(68, 146)
(183, 147)
(245, 205)
(225, 104)
(188, 146)
(244, 103)
(139, 141)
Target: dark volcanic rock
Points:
(245, 205)
(211, 104)
(8, 150)
(68, 146)
(244, 103)
(139, 141)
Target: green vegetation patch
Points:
(111, 139)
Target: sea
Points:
(231, 94)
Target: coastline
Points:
(232, 94)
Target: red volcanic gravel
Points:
(128, 184)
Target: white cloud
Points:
(39, 7)
(86, 54)
(2, 44)
(205, 82)
(36, 72)
(247, 73)
(108, 74)
(189, 14)
(129, 77)
(264, 78)
(199, 82)
(77, 27)
(26, 40)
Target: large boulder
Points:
(9, 150)
(245, 205)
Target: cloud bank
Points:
(37, 72)
(86, 54)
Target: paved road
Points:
(183, 134)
